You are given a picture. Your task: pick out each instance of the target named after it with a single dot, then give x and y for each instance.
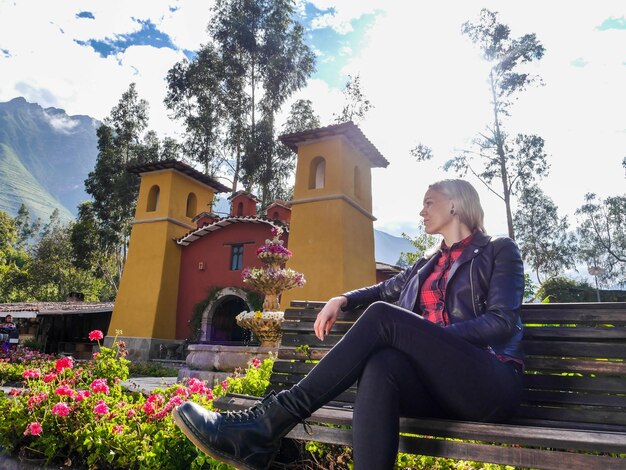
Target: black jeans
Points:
(405, 366)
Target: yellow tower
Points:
(331, 232)
(170, 195)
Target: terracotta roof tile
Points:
(350, 130)
(200, 232)
(183, 168)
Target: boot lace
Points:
(248, 414)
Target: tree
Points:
(229, 94)
(542, 235)
(356, 103)
(25, 229)
(121, 142)
(513, 161)
(13, 261)
(89, 251)
(278, 177)
(602, 236)
(422, 242)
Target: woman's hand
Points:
(328, 316)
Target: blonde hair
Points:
(466, 202)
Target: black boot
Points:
(246, 439)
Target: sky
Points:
(426, 80)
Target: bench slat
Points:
(579, 414)
(551, 364)
(576, 333)
(576, 349)
(569, 383)
(570, 398)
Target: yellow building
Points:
(331, 229)
(171, 194)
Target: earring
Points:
(452, 211)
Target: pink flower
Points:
(181, 391)
(117, 429)
(96, 335)
(100, 386)
(31, 374)
(101, 408)
(64, 390)
(148, 408)
(95, 355)
(256, 362)
(15, 392)
(64, 363)
(174, 401)
(156, 398)
(61, 409)
(34, 429)
(49, 377)
(131, 413)
(197, 386)
(36, 400)
(82, 394)
(224, 385)
(209, 394)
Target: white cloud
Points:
(61, 122)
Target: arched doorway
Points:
(221, 326)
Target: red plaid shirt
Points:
(433, 293)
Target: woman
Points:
(441, 339)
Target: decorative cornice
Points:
(332, 197)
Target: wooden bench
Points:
(573, 414)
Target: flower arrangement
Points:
(271, 279)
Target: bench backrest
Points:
(575, 361)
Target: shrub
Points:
(79, 414)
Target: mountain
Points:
(45, 156)
(387, 247)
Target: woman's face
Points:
(436, 212)
(8, 319)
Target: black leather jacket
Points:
(483, 295)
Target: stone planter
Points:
(213, 357)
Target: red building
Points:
(214, 256)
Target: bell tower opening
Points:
(317, 175)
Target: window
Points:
(318, 173)
(153, 199)
(192, 203)
(236, 257)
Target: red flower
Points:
(100, 386)
(31, 374)
(148, 408)
(49, 377)
(256, 362)
(96, 335)
(64, 390)
(117, 429)
(224, 385)
(81, 395)
(101, 408)
(33, 428)
(64, 363)
(61, 409)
